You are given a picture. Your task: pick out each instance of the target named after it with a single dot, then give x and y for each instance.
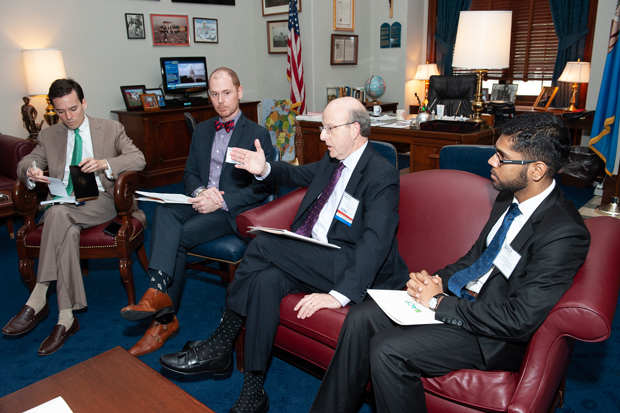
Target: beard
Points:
(514, 186)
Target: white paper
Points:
(163, 198)
(287, 233)
(397, 125)
(57, 188)
(57, 405)
(314, 118)
(62, 200)
(402, 308)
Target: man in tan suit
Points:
(96, 145)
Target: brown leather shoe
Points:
(57, 338)
(152, 303)
(155, 337)
(25, 320)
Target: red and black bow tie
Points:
(226, 125)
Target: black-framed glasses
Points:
(512, 161)
(328, 129)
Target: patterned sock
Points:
(65, 318)
(251, 392)
(159, 280)
(38, 297)
(221, 341)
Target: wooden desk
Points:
(309, 148)
(113, 381)
(576, 126)
(385, 106)
(163, 138)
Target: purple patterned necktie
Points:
(306, 228)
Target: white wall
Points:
(606, 10)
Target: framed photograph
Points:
(277, 35)
(220, 2)
(543, 101)
(169, 30)
(149, 101)
(135, 26)
(332, 93)
(131, 96)
(277, 7)
(205, 30)
(344, 15)
(344, 49)
(161, 100)
(504, 93)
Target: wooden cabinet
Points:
(164, 139)
(424, 145)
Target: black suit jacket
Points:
(369, 256)
(241, 190)
(553, 245)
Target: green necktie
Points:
(76, 158)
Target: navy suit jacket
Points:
(553, 245)
(369, 256)
(241, 190)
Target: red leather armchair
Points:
(441, 214)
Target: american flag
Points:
(295, 68)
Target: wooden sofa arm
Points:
(279, 213)
(124, 187)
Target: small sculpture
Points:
(29, 116)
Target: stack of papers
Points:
(163, 198)
(58, 189)
(286, 233)
(402, 308)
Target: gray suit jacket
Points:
(109, 142)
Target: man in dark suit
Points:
(351, 202)
(97, 145)
(491, 301)
(220, 192)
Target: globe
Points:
(375, 87)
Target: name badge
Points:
(229, 159)
(507, 260)
(346, 209)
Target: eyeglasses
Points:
(511, 161)
(328, 129)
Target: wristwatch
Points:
(199, 191)
(432, 303)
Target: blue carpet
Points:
(593, 374)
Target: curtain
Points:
(570, 18)
(445, 35)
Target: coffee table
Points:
(7, 210)
(113, 381)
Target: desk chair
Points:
(94, 243)
(190, 123)
(454, 92)
(387, 150)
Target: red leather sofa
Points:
(13, 150)
(441, 214)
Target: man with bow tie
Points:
(219, 193)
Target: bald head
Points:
(355, 113)
(346, 127)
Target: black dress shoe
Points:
(25, 320)
(244, 405)
(57, 338)
(188, 362)
(191, 344)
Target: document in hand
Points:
(84, 188)
(286, 233)
(163, 198)
(402, 308)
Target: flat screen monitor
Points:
(183, 75)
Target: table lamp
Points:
(482, 43)
(575, 72)
(43, 66)
(424, 73)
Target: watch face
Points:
(432, 303)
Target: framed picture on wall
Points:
(344, 15)
(160, 96)
(149, 101)
(543, 101)
(344, 49)
(205, 30)
(131, 96)
(169, 30)
(134, 23)
(277, 36)
(277, 7)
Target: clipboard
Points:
(84, 184)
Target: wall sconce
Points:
(575, 72)
(43, 66)
(424, 73)
(482, 43)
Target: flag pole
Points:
(611, 209)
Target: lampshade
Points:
(425, 72)
(43, 66)
(483, 40)
(576, 72)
